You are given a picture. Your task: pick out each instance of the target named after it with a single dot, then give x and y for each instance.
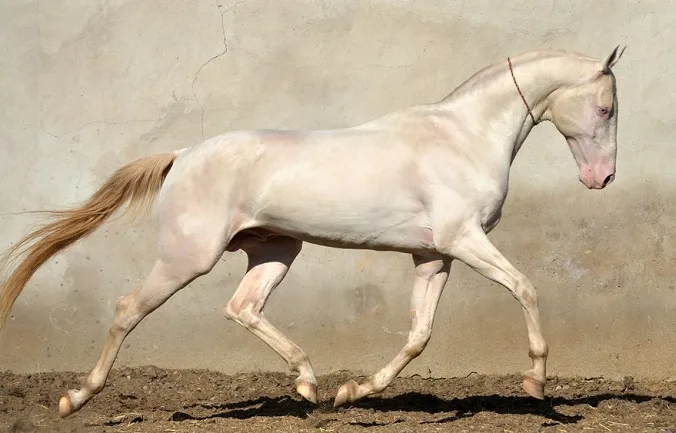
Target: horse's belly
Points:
(377, 229)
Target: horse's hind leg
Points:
(269, 261)
(182, 259)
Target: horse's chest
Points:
(491, 208)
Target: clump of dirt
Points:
(154, 400)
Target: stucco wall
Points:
(87, 86)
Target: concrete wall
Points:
(87, 86)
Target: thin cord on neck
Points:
(519, 90)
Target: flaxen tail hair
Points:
(137, 182)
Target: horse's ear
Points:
(612, 59)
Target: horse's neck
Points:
(490, 101)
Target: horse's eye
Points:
(603, 111)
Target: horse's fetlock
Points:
(298, 359)
(538, 351)
(95, 385)
(415, 348)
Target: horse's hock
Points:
(90, 88)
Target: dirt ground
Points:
(155, 400)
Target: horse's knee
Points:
(526, 292)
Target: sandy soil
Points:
(155, 400)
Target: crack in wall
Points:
(222, 53)
(194, 81)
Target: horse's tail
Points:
(137, 182)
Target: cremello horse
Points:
(428, 180)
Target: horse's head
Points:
(586, 115)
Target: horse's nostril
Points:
(608, 179)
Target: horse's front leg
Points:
(474, 248)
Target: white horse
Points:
(428, 180)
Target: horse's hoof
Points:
(346, 393)
(534, 387)
(307, 390)
(65, 406)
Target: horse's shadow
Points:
(417, 402)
